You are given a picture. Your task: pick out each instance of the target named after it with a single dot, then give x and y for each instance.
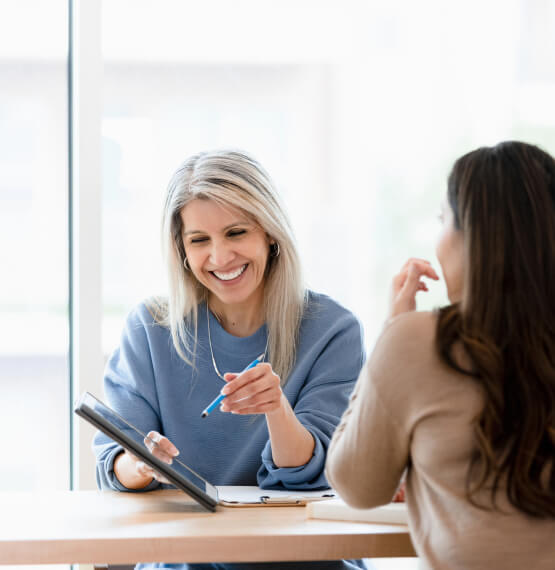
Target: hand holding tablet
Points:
(153, 450)
(160, 460)
(127, 466)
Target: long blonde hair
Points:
(231, 178)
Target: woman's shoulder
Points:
(413, 331)
(149, 313)
(407, 324)
(407, 343)
(322, 308)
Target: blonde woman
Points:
(235, 294)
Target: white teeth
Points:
(230, 276)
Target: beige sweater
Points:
(410, 411)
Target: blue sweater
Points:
(151, 386)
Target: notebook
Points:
(336, 509)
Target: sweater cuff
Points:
(304, 477)
(112, 480)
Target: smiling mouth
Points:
(231, 275)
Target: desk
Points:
(120, 528)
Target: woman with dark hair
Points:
(462, 401)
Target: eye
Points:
(236, 232)
(198, 239)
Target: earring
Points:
(274, 249)
(186, 265)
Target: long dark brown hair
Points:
(503, 202)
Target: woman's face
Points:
(450, 254)
(227, 252)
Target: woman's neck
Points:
(242, 319)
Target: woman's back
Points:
(415, 410)
(464, 399)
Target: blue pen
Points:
(215, 403)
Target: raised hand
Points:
(407, 283)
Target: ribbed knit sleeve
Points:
(334, 354)
(370, 449)
(129, 388)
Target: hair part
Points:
(503, 202)
(232, 179)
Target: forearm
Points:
(127, 474)
(368, 451)
(292, 444)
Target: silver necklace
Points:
(220, 375)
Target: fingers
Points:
(147, 471)
(161, 447)
(418, 261)
(400, 494)
(261, 402)
(415, 270)
(258, 409)
(422, 266)
(257, 379)
(257, 390)
(237, 381)
(408, 282)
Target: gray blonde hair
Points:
(231, 178)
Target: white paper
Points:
(252, 494)
(336, 509)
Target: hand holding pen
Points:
(220, 398)
(256, 390)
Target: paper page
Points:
(244, 494)
(336, 509)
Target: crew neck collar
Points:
(252, 345)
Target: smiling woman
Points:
(235, 296)
(228, 254)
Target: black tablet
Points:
(132, 439)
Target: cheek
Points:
(195, 261)
(260, 254)
(441, 247)
(449, 252)
(447, 256)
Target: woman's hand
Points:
(134, 473)
(258, 391)
(400, 494)
(407, 283)
(255, 391)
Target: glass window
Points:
(358, 111)
(34, 254)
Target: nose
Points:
(221, 254)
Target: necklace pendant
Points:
(216, 370)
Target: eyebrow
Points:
(238, 223)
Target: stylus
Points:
(216, 402)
